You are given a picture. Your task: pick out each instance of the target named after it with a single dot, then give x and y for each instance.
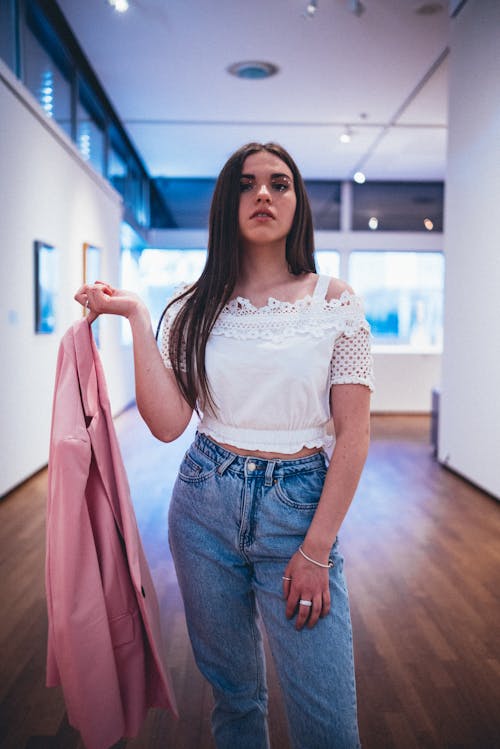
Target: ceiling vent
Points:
(253, 69)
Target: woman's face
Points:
(267, 200)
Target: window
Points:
(37, 43)
(403, 295)
(136, 196)
(90, 129)
(328, 262)
(117, 171)
(44, 77)
(398, 206)
(7, 31)
(163, 270)
(324, 197)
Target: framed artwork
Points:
(46, 276)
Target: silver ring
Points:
(303, 602)
(87, 304)
(286, 578)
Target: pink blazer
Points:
(104, 643)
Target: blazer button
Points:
(143, 591)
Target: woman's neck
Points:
(263, 267)
(263, 275)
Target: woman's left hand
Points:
(305, 581)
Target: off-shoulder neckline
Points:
(316, 296)
(241, 302)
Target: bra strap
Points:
(321, 287)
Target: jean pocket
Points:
(196, 466)
(301, 491)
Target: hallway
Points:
(422, 551)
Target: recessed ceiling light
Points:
(253, 69)
(311, 9)
(345, 135)
(121, 6)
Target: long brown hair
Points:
(207, 296)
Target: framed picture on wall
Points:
(46, 276)
(91, 274)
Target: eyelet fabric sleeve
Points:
(352, 362)
(166, 325)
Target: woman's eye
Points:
(245, 186)
(280, 186)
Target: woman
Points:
(264, 349)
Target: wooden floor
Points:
(422, 551)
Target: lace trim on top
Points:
(239, 318)
(351, 361)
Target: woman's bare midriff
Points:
(302, 453)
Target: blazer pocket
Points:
(122, 629)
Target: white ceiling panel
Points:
(164, 67)
(408, 151)
(201, 150)
(430, 105)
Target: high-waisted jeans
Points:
(234, 524)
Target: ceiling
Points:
(382, 73)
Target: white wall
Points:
(403, 381)
(46, 193)
(469, 434)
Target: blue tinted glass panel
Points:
(328, 262)
(7, 33)
(403, 294)
(117, 171)
(46, 82)
(324, 198)
(162, 271)
(398, 206)
(90, 139)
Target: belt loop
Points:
(225, 464)
(269, 472)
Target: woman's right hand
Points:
(102, 298)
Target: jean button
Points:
(251, 466)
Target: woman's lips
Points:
(262, 215)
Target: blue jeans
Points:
(234, 523)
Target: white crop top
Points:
(270, 368)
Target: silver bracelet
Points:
(318, 564)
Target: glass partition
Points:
(39, 46)
(328, 262)
(403, 295)
(90, 128)
(47, 80)
(7, 33)
(398, 206)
